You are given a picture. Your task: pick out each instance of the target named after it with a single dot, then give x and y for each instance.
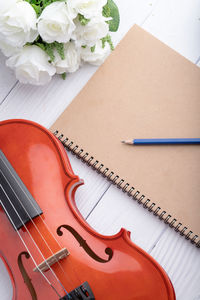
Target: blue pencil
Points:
(186, 141)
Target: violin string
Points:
(29, 232)
(36, 209)
(33, 205)
(35, 224)
(25, 243)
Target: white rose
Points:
(88, 8)
(72, 59)
(56, 23)
(31, 65)
(6, 5)
(96, 57)
(7, 49)
(89, 34)
(17, 23)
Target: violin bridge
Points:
(47, 263)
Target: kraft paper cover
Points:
(143, 90)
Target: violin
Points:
(46, 246)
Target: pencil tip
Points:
(129, 142)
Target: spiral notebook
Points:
(143, 90)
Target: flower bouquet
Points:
(46, 37)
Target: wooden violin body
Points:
(114, 267)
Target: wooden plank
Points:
(87, 195)
(6, 290)
(177, 23)
(7, 81)
(117, 210)
(181, 260)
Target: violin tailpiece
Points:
(83, 292)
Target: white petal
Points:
(31, 65)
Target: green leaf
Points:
(106, 11)
(83, 20)
(37, 9)
(49, 48)
(42, 46)
(46, 3)
(60, 49)
(49, 51)
(107, 39)
(63, 75)
(93, 48)
(111, 10)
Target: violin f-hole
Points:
(25, 276)
(85, 246)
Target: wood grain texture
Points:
(181, 260)
(89, 194)
(176, 23)
(7, 79)
(127, 213)
(6, 290)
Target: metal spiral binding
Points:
(127, 188)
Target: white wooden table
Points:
(107, 209)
